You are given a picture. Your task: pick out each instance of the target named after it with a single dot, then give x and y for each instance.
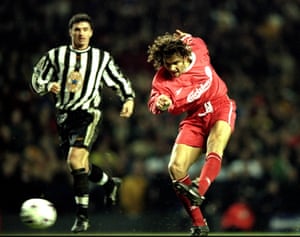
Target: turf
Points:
(161, 234)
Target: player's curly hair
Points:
(164, 46)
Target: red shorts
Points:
(195, 128)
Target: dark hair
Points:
(79, 17)
(164, 46)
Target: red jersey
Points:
(193, 88)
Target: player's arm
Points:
(41, 79)
(117, 81)
(184, 36)
(158, 101)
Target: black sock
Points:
(81, 191)
(97, 175)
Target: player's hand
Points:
(163, 102)
(127, 108)
(180, 34)
(54, 87)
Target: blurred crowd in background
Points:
(254, 46)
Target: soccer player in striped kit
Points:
(186, 82)
(75, 75)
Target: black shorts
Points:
(78, 128)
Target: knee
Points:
(176, 170)
(77, 161)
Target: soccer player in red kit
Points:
(186, 82)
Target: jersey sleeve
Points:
(151, 102)
(43, 73)
(115, 79)
(156, 90)
(196, 43)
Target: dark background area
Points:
(254, 46)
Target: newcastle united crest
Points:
(74, 81)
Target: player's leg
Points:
(216, 144)
(80, 130)
(182, 157)
(77, 161)
(110, 184)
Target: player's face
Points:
(176, 64)
(81, 34)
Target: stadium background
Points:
(254, 46)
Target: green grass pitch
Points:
(163, 234)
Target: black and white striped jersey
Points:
(87, 70)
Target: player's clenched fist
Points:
(163, 102)
(54, 87)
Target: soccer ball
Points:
(38, 213)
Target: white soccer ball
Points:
(38, 213)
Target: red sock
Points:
(193, 211)
(209, 172)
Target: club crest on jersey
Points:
(74, 81)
